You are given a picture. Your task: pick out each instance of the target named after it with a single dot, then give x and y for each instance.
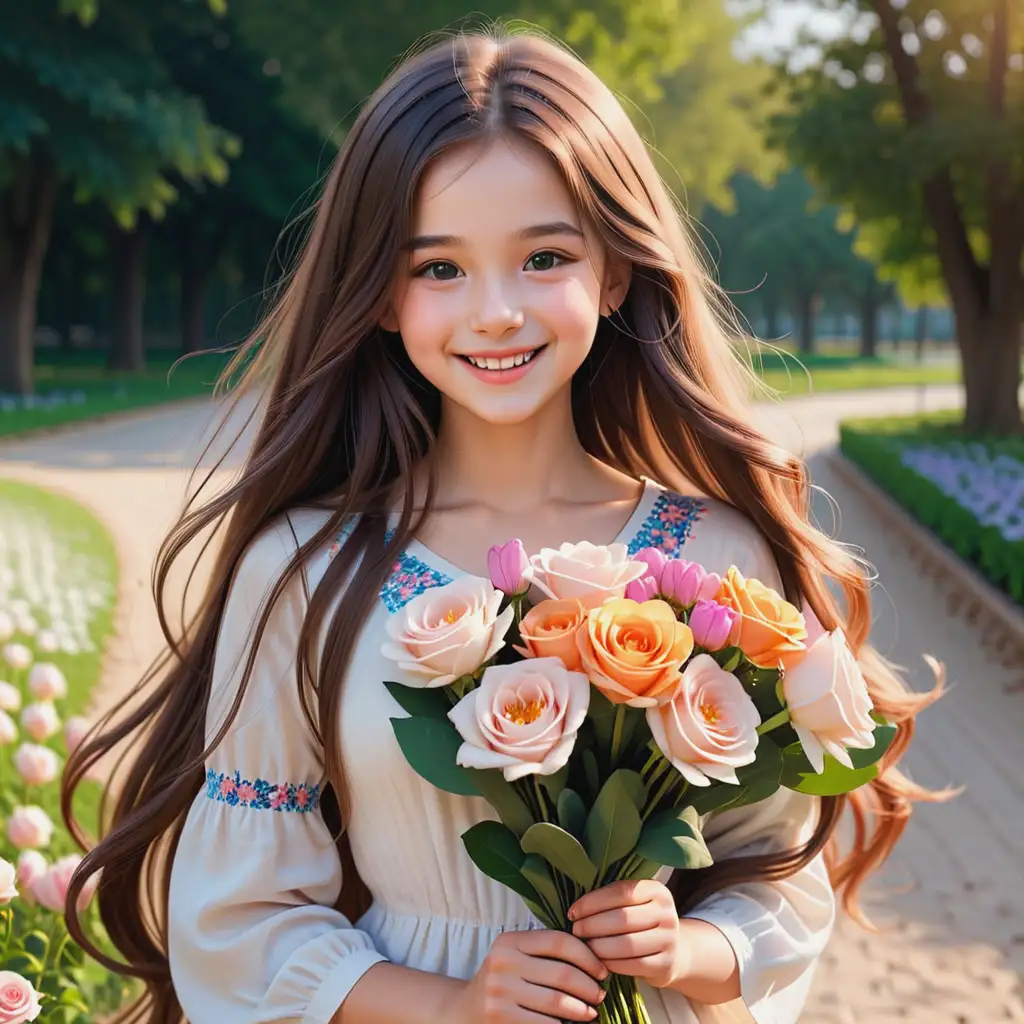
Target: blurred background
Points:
(854, 173)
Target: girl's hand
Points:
(634, 929)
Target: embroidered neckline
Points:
(261, 795)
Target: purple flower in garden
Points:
(642, 590)
(711, 624)
(687, 582)
(509, 567)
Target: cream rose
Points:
(591, 572)
(448, 631)
(709, 727)
(828, 702)
(8, 890)
(523, 718)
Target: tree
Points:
(83, 102)
(915, 123)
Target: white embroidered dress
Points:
(253, 933)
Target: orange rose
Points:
(633, 652)
(549, 630)
(769, 630)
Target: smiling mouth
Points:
(506, 363)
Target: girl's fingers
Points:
(555, 1004)
(609, 897)
(629, 947)
(620, 921)
(632, 967)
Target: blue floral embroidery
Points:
(409, 578)
(668, 525)
(261, 795)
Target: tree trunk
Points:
(805, 314)
(920, 331)
(193, 308)
(869, 323)
(26, 219)
(68, 273)
(990, 361)
(128, 252)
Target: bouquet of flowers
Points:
(603, 723)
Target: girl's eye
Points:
(444, 266)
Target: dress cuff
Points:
(337, 984)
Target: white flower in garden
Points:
(69, 646)
(40, 721)
(10, 697)
(31, 865)
(47, 682)
(6, 627)
(8, 890)
(8, 730)
(29, 828)
(18, 656)
(36, 765)
(76, 729)
(27, 625)
(47, 641)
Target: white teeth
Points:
(503, 364)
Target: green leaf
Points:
(562, 851)
(22, 962)
(644, 869)
(495, 850)
(613, 825)
(591, 771)
(536, 871)
(36, 943)
(502, 796)
(634, 785)
(716, 797)
(762, 778)
(836, 779)
(572, 813)
(674, 838)
(420, 702)
(884, 735)
(554, 784)
(431, 746)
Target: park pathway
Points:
(950, 903)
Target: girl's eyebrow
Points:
(558, 227)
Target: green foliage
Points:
(673, 838)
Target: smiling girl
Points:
(497, 328)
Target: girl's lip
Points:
(510, 376)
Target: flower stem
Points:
(620, 718)
(782, 718)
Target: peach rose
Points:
(523, 718)
(770, 631)
(549, 630)
(19, 1001)
(633, 652)
(828, 701)
(708, 728)
(592, 572)
(448, 631)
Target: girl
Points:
(496, 328)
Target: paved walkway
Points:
(951, 901)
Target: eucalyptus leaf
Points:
(495, 850)
(502, 796)
(572, 812)
(762, 778)
(555, 783)
(634, 785)
(536, 871)
(420, 701)
(562, 851)
(613, 825)
(673, 838)
(644, 868)
(431, 747)
(716, 797)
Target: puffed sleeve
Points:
(253, 935)
(778, 930)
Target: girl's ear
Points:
(617, 276)
(389, 322)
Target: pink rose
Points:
(687, 582)
(36, 765)
(8, 891)
(712, 623)
(19, 1001)
(709, 727)
(509, 567)
(31, 865)
(51, 888)
(448, 631)
(29, 827)
(8, 730)
(40, 721)
(47, 682)
(591, 572)
(76, 729)
(828, 701)
(10, 697)
(523, 718)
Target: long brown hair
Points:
(345, 417)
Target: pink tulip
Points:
(508, 565)
(29, 827)
(36, 765)
(688, 582)
(711, 624)
(40, 721)
(655, 559)
(19, 1001)
(642, 590)
(76, 729)
(51, 890)
(47, 682)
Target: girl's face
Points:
(502, 285)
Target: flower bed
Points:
(57, 592)
(969, 492)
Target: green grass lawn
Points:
(786, 375)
